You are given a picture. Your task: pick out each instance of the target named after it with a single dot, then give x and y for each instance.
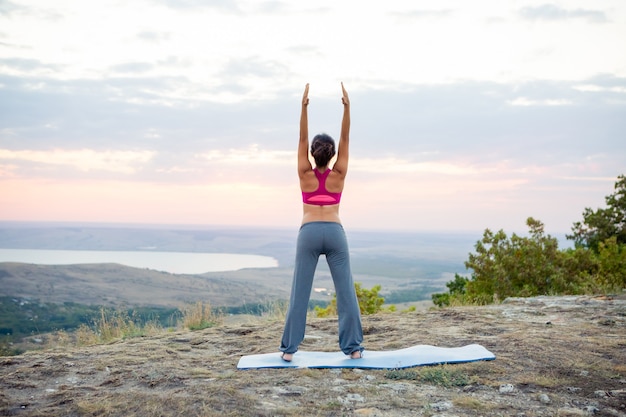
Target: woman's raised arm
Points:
(341, 166)
(304, 164)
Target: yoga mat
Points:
(390, 359)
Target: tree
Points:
(516, 266)
(611, 265)
(519, 266)
(599, 225)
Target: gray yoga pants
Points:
(315, 239)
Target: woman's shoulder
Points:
(336, 174)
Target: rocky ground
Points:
(555, 356)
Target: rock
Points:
(613, 412)
(355, 398)
(290, 392)
(181, 339)
(398, 387)
(570, 412)
(441, 406)
(544, 398)
(349, 399)
(507, 389)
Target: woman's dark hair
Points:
(322, 149)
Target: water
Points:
(174, 262)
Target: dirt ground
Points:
(555, 356)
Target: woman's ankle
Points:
(356, 355)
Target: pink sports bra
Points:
(321, 197)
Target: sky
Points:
(465, 115)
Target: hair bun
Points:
(322, 149)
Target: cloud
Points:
(132, 67)
(406, 166)
(85, 160)
(154, 36)
(255, 67)
(9, 7)
(26, 66)
(272, 7)
(599, 89)
(452, 129)
(524, 101)
(8, 171)
(250, 155)
(421, 14)
(222, 5)
(551, 12)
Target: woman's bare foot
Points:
(356, 355)
(287, 357)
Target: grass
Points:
(200, 316)
(110, 326)
(116, 325)
(402, 374)
(471, 403)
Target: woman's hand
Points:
(305, 97)
(345, 100)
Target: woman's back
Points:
(322, 186)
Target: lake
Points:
(173, 262)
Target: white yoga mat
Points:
(391, 359)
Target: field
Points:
(555, 356)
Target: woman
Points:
(322, 233)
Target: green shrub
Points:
(516, 266)
(519, 266)
(444, 376)
(456, 289)
(369, 302)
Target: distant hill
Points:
(423, 255)
(116, 285)
(410, 263)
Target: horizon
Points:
(239, 227)
(475, 235)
